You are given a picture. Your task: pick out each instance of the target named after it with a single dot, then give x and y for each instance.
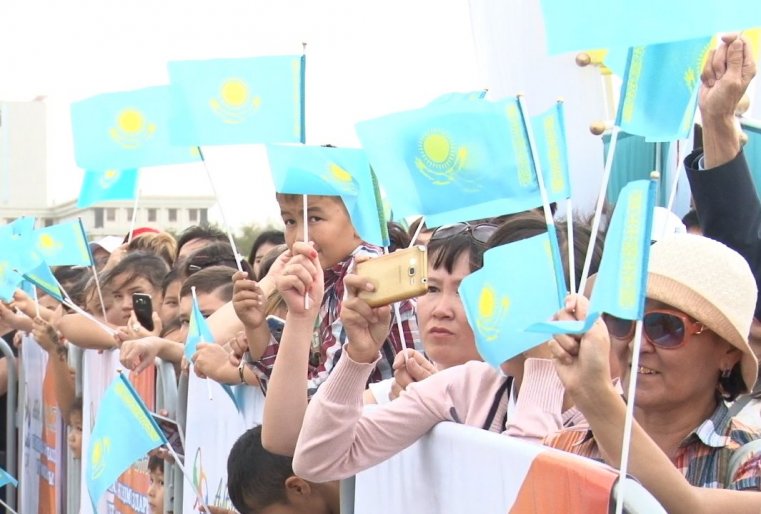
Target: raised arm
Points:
(287, 389)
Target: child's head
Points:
(260, 481)
(137, 272)
(156, 488)
(329, 226)
(75, 428)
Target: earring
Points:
(725, 373)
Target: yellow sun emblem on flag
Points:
(101, 448)
(3, 270)
(48, 244)
(491, 309)
(108, 178)
(340, 178)
(439, 160)
(132, 129)
(235, 102)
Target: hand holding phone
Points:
(397, 276)
(143, 308)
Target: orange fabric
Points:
(558, 482)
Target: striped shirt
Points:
(329, 334)
(702, 457)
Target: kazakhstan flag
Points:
(549, 132)
(659, 90)
(106, 186)
(64, 244)
(198, 331)
(238, 101)
(499, 305)
(124, 431)
(621, 282)
(126, 130)
(453, 161)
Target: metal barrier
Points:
(11, 422)
(74, 466)
(166, 399)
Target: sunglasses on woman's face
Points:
(663, 328)
(480, 232)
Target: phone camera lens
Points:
(411, 271)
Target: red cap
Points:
(139, 231)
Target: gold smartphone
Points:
(397, 276)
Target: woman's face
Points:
(170, 306)
(120, 293)
(669, 378)
(447, 337)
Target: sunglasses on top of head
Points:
(480, 232)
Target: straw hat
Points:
(710, 282)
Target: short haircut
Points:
(214, 254)
(77, 406)
(691, 219)
(138, 264)
(209, 280)
(256, 477)
(156, 464)
(445, 251)
(206, 233)
(273, 237)
(290, 198)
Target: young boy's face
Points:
(329, 227)
(156, 491)
(75, 434)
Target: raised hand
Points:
(248, 300)
(409, 366)
(302, 276)
(366, 327)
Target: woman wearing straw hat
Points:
(694, 354)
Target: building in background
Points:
(24, 184)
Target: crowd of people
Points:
(697, 418)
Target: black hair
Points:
(173, 276)
(732, 386)
(256, 477)
(214, 254)
(445, 251)
(209, 280)
(206, 233)
(398, 237)
(67, 276)
(172, 325)
(273, 237)
(691, 219)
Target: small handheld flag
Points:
(107, 185)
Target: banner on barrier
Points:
(42, 435)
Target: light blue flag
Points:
(621, 282)
(320, 170)
(106, 186)
(42, 277)
(549, 133)
(454, 161)
(124, 432)
(515, 287)
(590, 24)
(659, 90)
(9, 279)
(449, 98)
(236, 101)
(199, 332)
(126, 130)
(6, 478)
(64, 244)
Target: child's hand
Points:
(238, 346)
(46, 335)
(366, 327)
(302, 276)
(248, 300)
